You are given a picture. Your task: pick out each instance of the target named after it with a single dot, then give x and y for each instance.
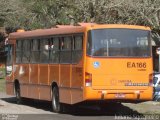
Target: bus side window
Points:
(26, 51)
(54, 50)
(44, 50)
(90, 49)
(77, 48)
(35, 56)
(18, 51)
(65, 54)
(9, 61)
(9, 50)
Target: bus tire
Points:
(18, 95)
(55, 100)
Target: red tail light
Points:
(88, 79)
(150, 79)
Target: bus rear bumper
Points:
(120, 95)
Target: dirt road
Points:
(38, 110)
(8, 106)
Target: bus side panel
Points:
(33, 91)
(76, 95)
(44, 88)
(64, 86)
(77, 83)
(54, 74)
(20, 74)
(24, 90)
(65, 95)
(9, 84)
(9, 88)
(24, 79)
(44, 91)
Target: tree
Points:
(13, 13)
(45, 14)
(137, 12)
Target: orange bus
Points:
(89, 62)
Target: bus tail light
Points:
(88, 79)
(150, 79)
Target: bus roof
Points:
(66, 29)
(102, 26)
(47, 32)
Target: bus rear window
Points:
(118, 43)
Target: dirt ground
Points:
(150, 107)
(8, 106)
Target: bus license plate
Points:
(120, 95)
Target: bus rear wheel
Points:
(18, 95)
(55, 100)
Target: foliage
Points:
(29, 14)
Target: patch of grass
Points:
(2, 85)
(2, 80)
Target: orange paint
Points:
(109, 78)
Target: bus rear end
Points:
(118, 64)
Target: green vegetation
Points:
(2, 85)
(37, 14)
(2, 80)
(29, 14)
